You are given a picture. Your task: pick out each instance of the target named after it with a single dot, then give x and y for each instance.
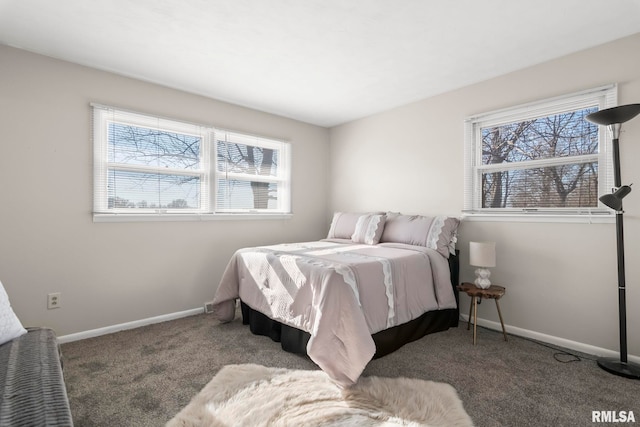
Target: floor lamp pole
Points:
(613, 118)
(622, 292)
(620, 366)
(622, 281)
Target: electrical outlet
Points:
(53, 300)
(208, 307)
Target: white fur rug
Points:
(254, 395)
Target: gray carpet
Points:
(143, 377)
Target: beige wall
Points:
(561, 278)
(112, 273)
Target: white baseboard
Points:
(129, 325)
(550, 339)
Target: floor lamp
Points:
(613, 118)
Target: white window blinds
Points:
(540, 158)
(252, 174)
(155, 166)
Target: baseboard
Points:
(550, 339)
(128, 325)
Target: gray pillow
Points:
(408, 229)
(343, 224)
(439, 232)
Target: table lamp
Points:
(482, 255)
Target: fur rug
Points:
(254, 395)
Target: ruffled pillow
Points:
(343, 224)
(368, 229)
(10, 326)
(439, 232)
(443, 235)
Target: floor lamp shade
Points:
(482, 255)
(613, 118)
(614, 200)
(614, 115)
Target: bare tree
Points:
(260, 189)
(135, 145)
(497, 145)
(565, 135)
(259, 161)
(557, 136)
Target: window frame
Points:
(207, 171)
(602, 97)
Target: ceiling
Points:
(324, 62)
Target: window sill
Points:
(520, 217)
(125, 217)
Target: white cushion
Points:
(10, 326)
(368, 229)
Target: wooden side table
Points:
(492, 292)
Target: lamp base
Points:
(616, 367)
(482, 278)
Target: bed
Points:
(378, 281)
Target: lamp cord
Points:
(559, 355)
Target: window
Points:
(539, 160)
(252, 174)
(146, 165)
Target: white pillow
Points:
(10, 326)
(368, 229)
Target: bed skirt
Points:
(294, 340)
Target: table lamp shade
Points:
(482, 254)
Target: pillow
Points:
(343, 224)
(443, 235)
(10, 326)
(368, 229)
(408, 229)
(439, 233)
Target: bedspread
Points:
(341, 293)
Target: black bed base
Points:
(294, 340)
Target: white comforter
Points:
(341, 293)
